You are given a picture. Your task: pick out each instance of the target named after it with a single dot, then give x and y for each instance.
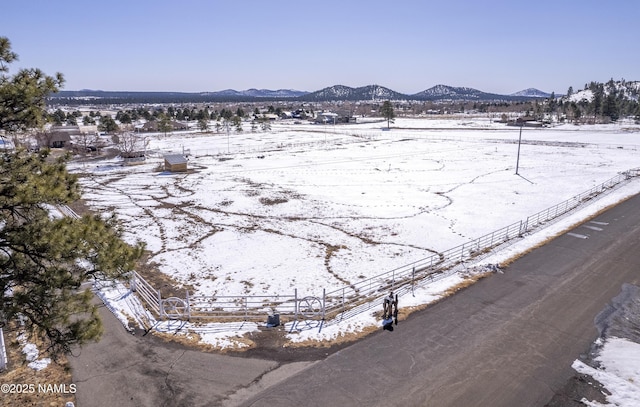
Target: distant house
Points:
(301, 114)
(526, 121)
(175, 163)
(345, 116)
(58, 136)
(326, 117)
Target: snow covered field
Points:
(312, 207)
(329, 206)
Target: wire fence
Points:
(359, 296)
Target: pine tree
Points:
(44, 259)
(164, 124)
(570, 91)
(610, 107)
(387, 112)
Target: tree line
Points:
(609, 102)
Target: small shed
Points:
(175, 163)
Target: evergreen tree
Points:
(23, 96)
(610, 107)
(387, 112)
(164, 123)
(237, 123)
(123, 117)
(598, 97)
(58, 117)
(575, 110)
(108, 125)
(552, 103)
(570, 91)
(45, 259)
(71, 119)
(203, 125)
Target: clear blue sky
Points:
(499, 46)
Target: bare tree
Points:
(130, 144)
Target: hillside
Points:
(341, 92)
(439, 93)
(532, 92)
(626, 90)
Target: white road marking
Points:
(599, 223)
(578, 235)
(593, 228)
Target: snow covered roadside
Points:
(619, 372)
(614, 359)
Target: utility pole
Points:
(519, 142)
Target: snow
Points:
(331, 205)
(619, 372)
(32, 354)
(328, 206)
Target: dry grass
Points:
(168, 286)
(57, 373)
(193, 341)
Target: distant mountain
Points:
(280, 93)
(532, 93)
(123, 97)
(258, 93)
(451, 93)
(341, 92)
(438, 93)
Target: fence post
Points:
(188, 305)
(524, 226)
(413, 280)
(324, 302)
(132, 283)
(393, 279)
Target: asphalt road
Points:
(508, 340)
(135, 370)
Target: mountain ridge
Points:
(332, 93)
